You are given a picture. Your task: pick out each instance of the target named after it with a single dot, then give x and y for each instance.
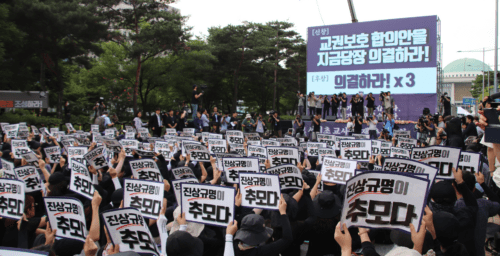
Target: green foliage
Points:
(28, 117)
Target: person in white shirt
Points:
(350, 127)
(138, 122)
(372, 127)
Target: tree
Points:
(151, 29)
(60, 32)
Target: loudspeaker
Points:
(306, 118)
(426, 111)
(331, 118)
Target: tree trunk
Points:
(60, 88)
(137, 77)
(235, 93)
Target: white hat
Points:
(248, 116)
(192, 228)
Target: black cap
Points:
(253, 230)
(327, 205)
(56, 178)
(443, 193)
(181, 243)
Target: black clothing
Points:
(153, 123)
(471, 130)
(276, 125)
(360, 106)
(194, 100)
(317, 127)
(181, 123)
(447, 106)
(370, 103)
(344, 103)
(169, 121)
(454, 136)
(357, 127)
(236, 127)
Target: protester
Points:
(389, 124)
(198, 122)
(98, 109)
(234, 122)
(155, 123)
(170, 120)
(354, 105)
(358, 124)
(194, 100)
(471, 129)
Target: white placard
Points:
(328, 139)
(126, 224)
(217, 146)
(407, 143)
(316, 173)
(19, 147)
(66, 214)
(145, 196)
(208, 204)
(358, 136)
(186, 143)
(9, 251)
(410, 167)
(11, 199)
(81, 182)
(219, 156)
(235, 137)
(96, 158)
(176, 184)
(282, 155)
(339, 138)
(375, 147)
(384, 200)
(129, 146)
(163, 148)
(359, 150)
(400, 153)
(238, 148)
(8, 170)
(290, 176)
(337, 171)
(31, 178)
(322, 152)
(443, 158)
(182, 173)
(234, 165)
(70, 127)
(287, 141)
(266, 143)
(53, 154)
(31, 158)
(112, 145)
(401, 134)
(312, 148)
(257, 151)
(146, 169)
(11, 130)
(385, 148)
(260, 190)
(470, 162)
(76, 154)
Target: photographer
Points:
(326, 106)
(260, 126)
(471, 129)
(421, 130)
(431, 131)
(381, 98)
(372, 127)
(358, 124)
(311, 101)
(344, 106)
(194, 100)
(446, 103)
(384, 135)
(301, 98)
(275, 123)
(299, 129)
(370, 103)
(335, 105)
(354, 105)
(225, 120)
(248, 124)
(316, 122)
(215, 117)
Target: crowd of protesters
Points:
(455, 221)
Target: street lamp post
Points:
(496, 46)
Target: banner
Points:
(312, 148)
(26, 99)
(289, 175)
(410, 167)
(384, 200)
(146, 169)
(127, 228)
(76, 154)
(208, 204)
(359, 150)
(30, 177)
(11, 199)
(176, 184)
(234, 165)
(96, 158)
(400, 153)
(470, 162)
(53, 154)
(182, 173)
(235, 137)
(216, 146)
(19, 147)
(407, 143)
(260, 191)
(443, 158)
(337, 171)
(66, 214)
(145, 196)
(282, 155)
(80, 181)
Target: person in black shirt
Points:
(358, 124)
(234, 123)
(170, 120)
(354, 105)
(194, 100)
(335, 105)
(275, 123)
(181, 121)
(316, 122)
(326, 106)
(371, 103)
(215, 117)
(446, 103)
(360, 105)
(67, 111)
(344, 106)
(471, 129)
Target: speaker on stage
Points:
(331, 118)
(306, 118)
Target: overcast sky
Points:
(465, 25)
